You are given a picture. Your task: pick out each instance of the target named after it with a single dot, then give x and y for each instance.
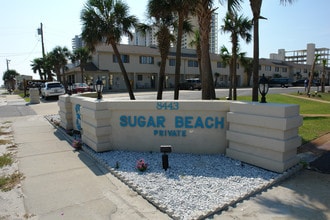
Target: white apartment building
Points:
(303, 56)
(142, 67)
(77, 42)
(148, 39)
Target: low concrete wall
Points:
(265, 134)
(34, 95)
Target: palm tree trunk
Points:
(58, 74)
(255, 6)
(178, 59)
(234, 61)
(204, 21)
(82, 73)
(123, 70)
(311, 76)
(324, 62)
(230, 95)
(161, 79)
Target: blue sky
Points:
(289, 27)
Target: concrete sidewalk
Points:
(63, 183)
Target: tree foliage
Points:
(106, 21)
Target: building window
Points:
(221, 65)
(192, 63)
(277, 69)
(284, 69)
(146, 60)
(139, 77)
(305, 70)
(268, 68)
(237, 66)
(124, 58)
(171, 62)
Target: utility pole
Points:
(41, 32)
(7, 62)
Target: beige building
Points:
(142, 66)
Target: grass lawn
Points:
(312, 127)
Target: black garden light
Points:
(263, 88)
(70, 88)
(165, 149)
(99, 88)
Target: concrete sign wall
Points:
(198, 127)
(265, 134)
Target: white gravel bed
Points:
(194, 186)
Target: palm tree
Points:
(247, 64)
(196, 42)
(58, 60)
(311, 74)
(37, 66)
(238, 26)
(204, 13)
(182, 8)
(48, 67)
(161, 12)
(9, 79)
(216, 76)
(81, 55)
(324, 63)
(256, 7)
(107, 20)
(226, 59)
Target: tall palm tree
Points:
(324, 63)
(311, 74)
(108, 20)
(58, 58)
(182, 9)
(37, 66)
(160, 12)
(81, 55)
(256, 7)
(204, 12)
(196, 42)
(239, 27)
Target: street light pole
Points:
(41, 32)
(7, 62)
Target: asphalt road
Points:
(12, 105)
(197, 95)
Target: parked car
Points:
(191, 84)
(300, 82)
(52, 89)
(282, 82)
(80, 88)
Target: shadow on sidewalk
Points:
(90, 162)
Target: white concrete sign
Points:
(263, 134)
